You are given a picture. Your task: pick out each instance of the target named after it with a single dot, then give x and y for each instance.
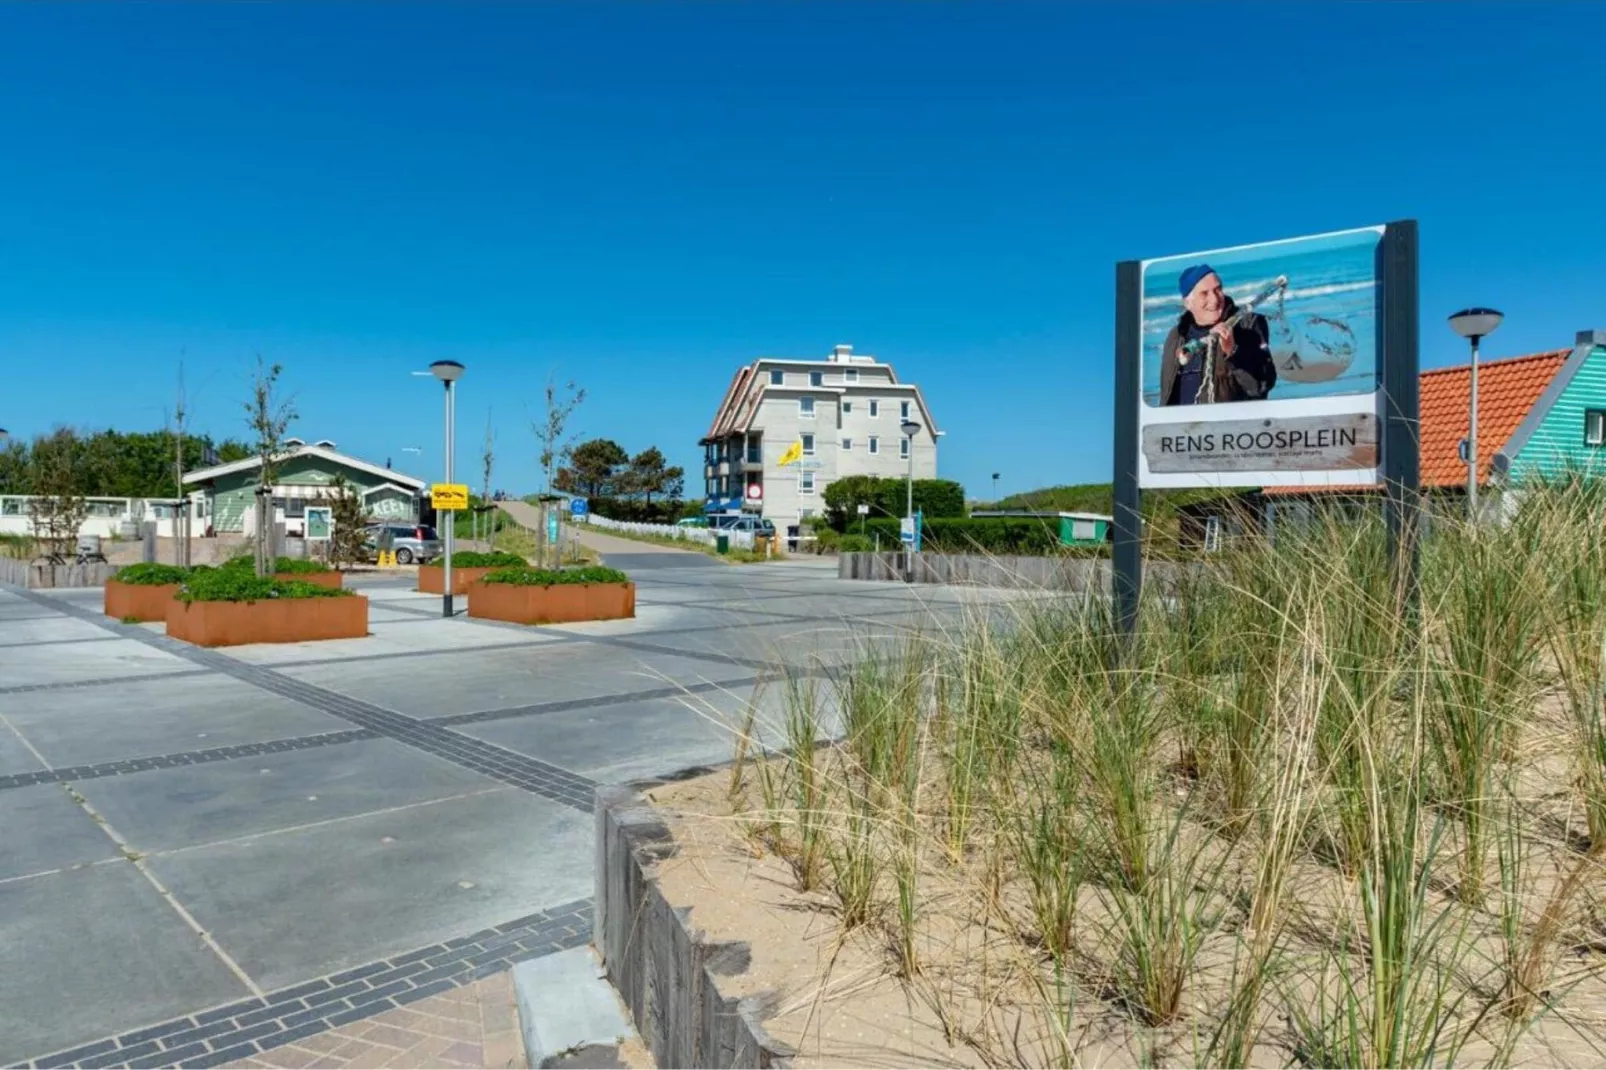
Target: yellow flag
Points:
(793, 453)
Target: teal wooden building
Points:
(226, 493)
(1075, 529)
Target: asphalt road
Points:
(207, 852)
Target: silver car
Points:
(411, 542)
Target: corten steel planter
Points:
(329, 579)
(561, 603)
(431, 578)
(137, 601)
(272, 620)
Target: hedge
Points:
(242, 585)
(150, 574)
(950, 535)
(889, 497)
(283, 564)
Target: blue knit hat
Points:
(1191, 276)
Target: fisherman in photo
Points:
(1217, 351)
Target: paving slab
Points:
(110, 722)
(435, 685)
(53, 664)
(381, 884)
(92, 952)
(48, 629)
(15, 757)
(405, 636)
(165, 809)
(42, 828)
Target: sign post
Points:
(1288, 364)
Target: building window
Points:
(1595, 427)
(805, 483)
(847, 445)
(875, 409)
(808, 444)
(875, 443)
(850, 375)
(777, 377)
(903, 447)
(903, 410)
(847, 407)
(816, 378)
(805, 408)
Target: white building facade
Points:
(844, 412)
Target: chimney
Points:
(842, 354)
(1596, 337)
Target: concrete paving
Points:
(206, 854)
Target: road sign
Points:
(864, 510)
(906, 530)
(552, 527)
(449, 495)
(579, 507)
(320, 522)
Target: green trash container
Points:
(722, 543)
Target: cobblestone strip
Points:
(564, 705)
(105, 681)
(193, 757)
(245, 1028)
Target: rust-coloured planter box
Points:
(329, 579)
(142, 602)
(561, 603)
(432, 578)
(272, 620)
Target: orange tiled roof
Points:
(1507, 390)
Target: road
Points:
(627, 554)
(204, 853)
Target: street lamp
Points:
(910, 429)
(995, 490)
(1473, 324)
(448, 372)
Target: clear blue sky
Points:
(643, 197)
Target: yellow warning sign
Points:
(449, 495)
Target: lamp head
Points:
(910, 428)
(447, 371)
(1475, 323)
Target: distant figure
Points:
(1211, 335)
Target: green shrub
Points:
(243, 585)
(296, 565)
(546, 577)
(477, 559)
(855, 544)
(150, 574)
(826, 541)
(1004, 535)
(889, 497)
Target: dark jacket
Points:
(1248, 375)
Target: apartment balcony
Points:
(753, 461)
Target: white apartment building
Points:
(845, 411)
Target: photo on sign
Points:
(1279, 321)
(1260, 365)
(319, 522)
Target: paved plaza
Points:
(208, 854)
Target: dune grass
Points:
(1306, 819)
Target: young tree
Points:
(59, 509)
(650, 474)
(346, 516)
(552, 432)
(269, 417)
(487, 465)
(181, 514)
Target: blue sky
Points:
(642, 197)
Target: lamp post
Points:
(448, 372)
(1473, 324)
(995, 490)
(910, 429)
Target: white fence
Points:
(740, 539)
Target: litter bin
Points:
(722, 543)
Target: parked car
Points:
(411, 542)
(692, 522)
(759, 527)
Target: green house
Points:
(1564, 430)
(1076, 529)
(227, 492)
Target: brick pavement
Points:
(473, 1026)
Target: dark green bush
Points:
(854, 544)
(546, 577)
(477, 559)
(150, 574)
(888, 497)
(243, 585)
(1006, 536)
(284, 564)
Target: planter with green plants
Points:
(231, 606)
(292, 568)
(142, 592)
(548, 596)
(468, 567)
